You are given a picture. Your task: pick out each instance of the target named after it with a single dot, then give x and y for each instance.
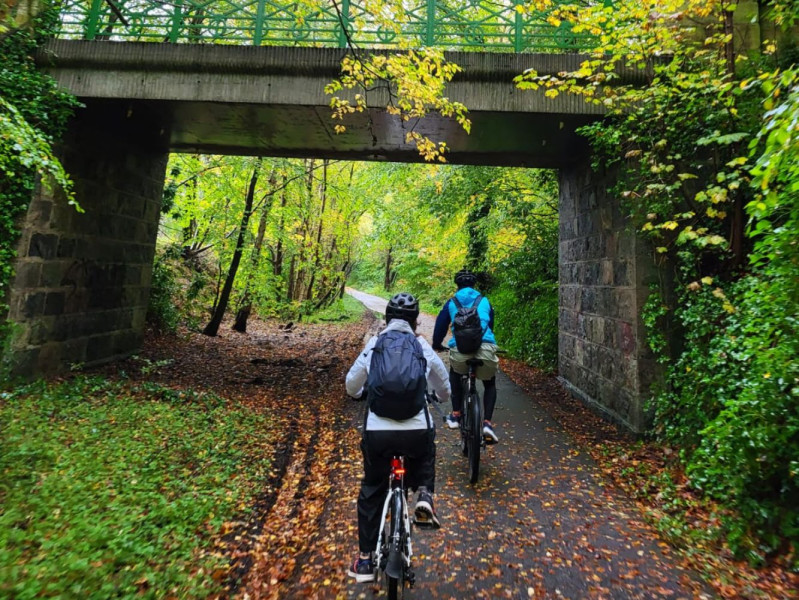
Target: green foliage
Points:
(525, 300)
(499, 222)
(162, 310)
(297, 242)
(732, 406)
(33, 114)
(180, 292)
(112, 491)
(697, 151)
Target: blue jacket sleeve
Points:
(442, 325)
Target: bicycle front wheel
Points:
(474, 437)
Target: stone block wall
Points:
(81, 285)
(604, 278)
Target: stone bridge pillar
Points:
(82, 280)
(605, 271)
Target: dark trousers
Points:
(419, 448)
(489, 395)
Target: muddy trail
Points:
(542, 522)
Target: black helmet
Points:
(465, 278)
(402, 306)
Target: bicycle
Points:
(471, 423)
(394, 550)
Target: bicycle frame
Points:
(394, 551)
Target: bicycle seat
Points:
(475, 362)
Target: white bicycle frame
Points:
(406, 556)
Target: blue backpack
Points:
(397, 380)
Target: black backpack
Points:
(466, 327)
(397, 380)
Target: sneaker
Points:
(488, 433)
(424, 514)
(452, 420)
(362, 569)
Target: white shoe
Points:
(488, 434)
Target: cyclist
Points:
(466, 294)
(384, 438)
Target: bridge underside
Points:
(497, 138)
(82, 281)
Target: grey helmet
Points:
(402, 306)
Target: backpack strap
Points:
(458, 305)
(477, 300)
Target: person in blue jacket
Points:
(466, 294)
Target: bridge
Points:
(82, 280)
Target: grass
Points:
(346, 310)
(113, 490)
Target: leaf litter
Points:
(501, 538)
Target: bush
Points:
(525, 299)
(732, 404)
(528, 328)
(162, 311)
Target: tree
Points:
(219, 312)
(245, 306)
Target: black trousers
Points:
(489, 396)
(419, 448)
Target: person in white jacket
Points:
(384, 438)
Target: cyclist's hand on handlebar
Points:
(439, 348)
(433, 397)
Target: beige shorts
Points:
(487, 353)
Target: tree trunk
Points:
(277, 259)
(216, 320)
(388, 274)
(317, 250)
(290, 291)
(243, 313)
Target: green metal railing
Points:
(483, 25)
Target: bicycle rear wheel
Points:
(474, 436)
(464, 427)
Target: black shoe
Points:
(424, 515)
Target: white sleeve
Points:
(437, 375)
(356, 377)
